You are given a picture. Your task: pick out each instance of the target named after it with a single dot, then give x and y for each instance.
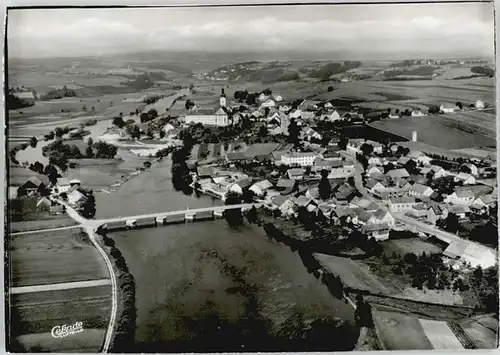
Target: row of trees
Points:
(15, 103)
(58, 94)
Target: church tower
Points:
(222, 99)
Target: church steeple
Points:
(222, 98)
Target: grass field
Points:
(440, 335)
(54, 257)
(398, 331)
(46, 222)
(353, 274)
(410, 245)
(33, 315)
(482, 330)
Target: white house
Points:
(263, 97)
(377, 147)
(284, 108)
(401, 204)
(424, 159)
(439, 172)
(328, 104)
(467, 179)
(417, 113)
(63, 185)
(375, 161)
(354, 145)
(419, 190)
(75, 197)
(447, 108)
(278, 98)
(295, 113)
(373, 170)
(268, 103)
(332, 116)
(461, 197)
(299, 158)
(479, 105)
(260, 187)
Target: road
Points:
(59, 286)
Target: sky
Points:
(440, 29)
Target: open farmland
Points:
(410, 245)
(398, 331)
(54, 257)
(482, 330)
(440, 334)
(42, 222)
(33, 315)
(353, 274)
(439, 132)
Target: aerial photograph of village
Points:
(274, 178)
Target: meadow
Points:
(33, 315)
(54, 257)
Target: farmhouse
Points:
(447, 108)
(436, 212)
(295, 174)
(479, 104)
(419, 190)
(401, 204)
(379, 232)
(259, 188)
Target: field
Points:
(55, 257)
(482, 330)
(33, 315)
(439, 132)
(353, 274)
(440, 335)
(410, 245)
(47, 222)
(398, 331)
(445, 297)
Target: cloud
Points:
(265, 33)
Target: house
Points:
(310, 133)
(366, 204)
(299, 158)
(460, 210)
(62, 185)
(439, 172)
(417, 113)
(332, 116)
(424, 159)
(479, 105)
(33, 186)
(471, 254)
(467, 179)
(461, 197)
(416, 178)
(473, 169)
(313, 192)
(375, 161)
(278, 98)
(379, 232)
(403, 160)
(263, 97)
(295, 173)
(322, 164)
(239, 186)
(398, 174)
(204, 171)
(285, 185)
(306, 202)
(354, 145)
(259, 188)
(232, 157)
(328, 105)
(284, 108)
(388, 193)
(373, 169)
(345, 192)
(332, 153)
(284, 204)
(372, 185)
(377, 147)
(381, 216)
(401, 204)
(447, 108)
(268, 103)
(435, 212)
(43, 205)
(418, 190)
(341, 170)
(419, 210)
(77, 197)
(394, 115)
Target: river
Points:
(205, 286)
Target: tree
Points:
(262, 131)
(233, 216)
(330, 88)
(152, 114)
(452, 223)
(325, 189)
(342, 144)
(459, 105)
(89, 153)
(58, 132)
(363, 313)
(293, 132)
(37, 167)
(33, 142)
(189, 104)
(118, 122)
(90, 141)
(93, 108)
(367, 149)
(89, 209)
